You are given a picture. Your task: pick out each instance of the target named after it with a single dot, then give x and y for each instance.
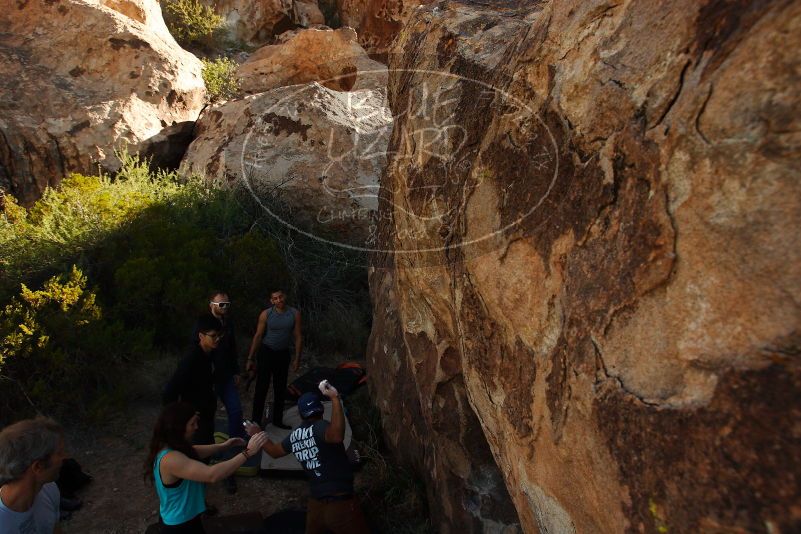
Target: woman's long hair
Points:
(170, 432)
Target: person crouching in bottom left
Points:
(31, 453)
(173, 465)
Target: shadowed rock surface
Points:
(596, 266)
(81, 78)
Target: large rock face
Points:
(331, 57)
(311, 155)
(589, 250)
(378, 22)
(81, 78)
(256, 22)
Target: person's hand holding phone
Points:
(250, 427)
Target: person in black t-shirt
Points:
(193, 379)
(317, 445)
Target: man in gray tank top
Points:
(278, 332)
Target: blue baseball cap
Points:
(309, 404)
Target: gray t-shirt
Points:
(280, 329)
(40, 519)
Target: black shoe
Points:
(230, 485)
(281, 425)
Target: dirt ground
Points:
(119, 501)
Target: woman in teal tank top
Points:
(174, 467)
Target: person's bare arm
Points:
(335, 433)
(181, 466)
(298, 342)
(257, 337)
(204, 451)
(275, 450)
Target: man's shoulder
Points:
(51, 490)
(319, 428)
(194, 357)
(193, 354)
(299, 430)
(49, 496)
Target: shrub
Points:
(192, 23)
(152, 242)
(57, 348)
(219, 75)
(67, 224)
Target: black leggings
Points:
(270, 364)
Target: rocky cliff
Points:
(330, 57)
(310, 155)
(256, 22)
(377, 22)
(589, 271)
(80, 78)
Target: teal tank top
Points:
(180, 503)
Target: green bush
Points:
(154, 243)
(150, 244)
(192, 23)
(71, 222)
(57, 349)
(219, 75)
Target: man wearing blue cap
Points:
(317, 445)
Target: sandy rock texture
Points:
(81, 78)
(311, 155)
(377, 22)
(256, 22)
(595, 276)
(330, 57)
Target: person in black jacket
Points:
(193, 379)
(226, 363)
